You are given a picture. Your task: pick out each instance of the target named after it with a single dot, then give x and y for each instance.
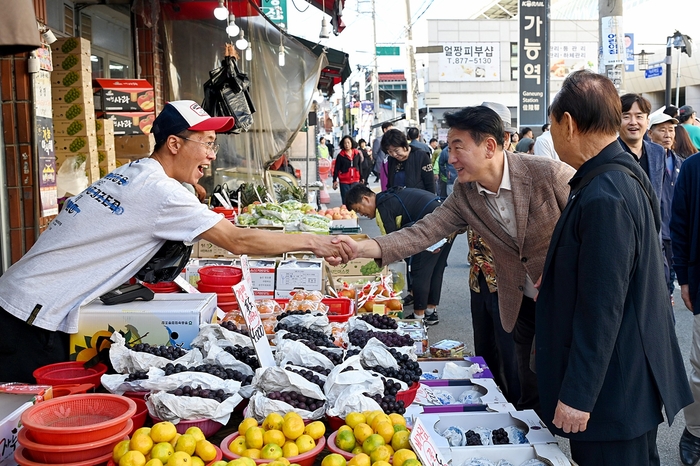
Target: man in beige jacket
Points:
(513, 201)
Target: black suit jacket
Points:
(605, 337)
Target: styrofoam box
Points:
(11, 408)
(262, 273)
(535, 430)
(435, 366)
(515, 454)
(490, 393)
(307, 274)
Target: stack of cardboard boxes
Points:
(73, 105)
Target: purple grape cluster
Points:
(231, 326)
(171, 368)
(499, 437)
(388, 401)
(244, 354)
(298, 313)
(223, 373)
(361, 337)
(380, 321)
(335, 358)
(167, 352)
(473, 438)
(137, 375)
(352, 352)
(218, 395)
(297, 332)
(318, 369)
(297, 400)
(308, 375)
(409, 371)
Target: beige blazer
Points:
(540, 192)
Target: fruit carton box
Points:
(123, 95)
(129, 123)
(70, 46)
(76, 144)
(76, 94)
(262, 273)
(74, 111)
(515, 454)
(83, 126)
(11, 408)
(307, 274)
(432, 369)
(79, 75)
(105, 145)
(134, 146)
(169, 319)
(487, 388)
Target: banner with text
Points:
(566, 57)
(533, 62)
(470, 61)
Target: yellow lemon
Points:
(389, 447)
(254, 438)
(291, 414)
(162, 451)
(154, 462)
(253, 453)
(163, 432)
(205, 450)
(271, 451)
(293, 427)
(345, 440)
(362, 431)
(274, 436)
(197, 461)
(397, 419)
(246, 461)
(357, 450)
(386, 430)
(120, 450)
(237, 445)
(186, 443)
(276, 463)
(381, 463)
(219, 463)
(400, 456)
(315, 429)
(372, 442)
(305, 443)
(237, 462)
(180, 458)
(399, 427)
(354, 419)
(382, 453)
(345, 427)
(400, 440)
(282, 460)
(361, 459)
(132, 458)
(273, 421)
(246, 424)
(290, 449)
(142, 443)
(196, 432)
(412, 462)
(380, 418)
(142, 430)
(173, 442)
(333, 459)
(369, 417)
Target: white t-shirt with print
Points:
(101, 238)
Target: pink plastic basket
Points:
(305, 459)
(22, 460)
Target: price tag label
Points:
(246, 302)
(378, 309)
(424, 447)
(245, 267)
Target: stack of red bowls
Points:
(219, 279)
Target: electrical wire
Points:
(299, 10)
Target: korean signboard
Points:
(470, 61)
(45, 143)
(629, 52)
(533, 62)
(276, 11)
(613, 40)
(566, 57)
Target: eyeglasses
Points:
(211, 145)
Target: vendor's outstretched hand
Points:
(336, 249)
(569, 419)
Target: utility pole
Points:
(612, 41)
(411, 76)
(375, 69)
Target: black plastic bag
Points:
(166, 264)
(226, 94)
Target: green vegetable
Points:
(247, 219)
(74, 111)
(70, 79)
(70, 44)
(71, 96)
(74, 128)
(370, 268)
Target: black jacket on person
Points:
(399, 206)
(419, 170)
(606, 342)
(343, 164)
(366, 165)
(685, 228)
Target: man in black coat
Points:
(606, 350)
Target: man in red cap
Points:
(111, 231)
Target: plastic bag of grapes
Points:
(133, 382)
(298, 352)
(347, 378)
(141, 357)
(281, 391)
(224, 357)
(351, 400)
(194, 395)
(220, 335)
(372, 322)
(317, 321)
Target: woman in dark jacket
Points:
(347, 166)
(367, 162)
(406, 166)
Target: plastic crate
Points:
(339, 309)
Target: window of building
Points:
(513, 61)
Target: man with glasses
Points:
(109, 232)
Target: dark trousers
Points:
(668, 264)
(24, 348)
(442, 188)
(640, 451)
(344, 188)
(426, 272)
(523, 335)
(493, 343)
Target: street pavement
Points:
(455, 323)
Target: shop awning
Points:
(204, 9)
(18, 28)
(338, 69)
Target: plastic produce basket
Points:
(75, 419)
(73, 372)
(305, 459)
(332, 447)
(408, 395)
(339, 309)
(208, 427)
(22, 460)
(220, 275)
(139, 418)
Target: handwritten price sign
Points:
(424, 447)
(246, 302)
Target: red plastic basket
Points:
(209, 288)
(73, 372)
(71, 389)
(305, 459)
(139, 418)
(22, 460)
(208, 426)
(74, 419)
(335, 422)
(62, 454)
(220, 275)
(163, 287)
(408, 395)
(332, 447)
(339, 309)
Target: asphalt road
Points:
(455, 323)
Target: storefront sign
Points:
(276, 11)
(566, 57)
(533, 78)
(256, 330)
(45, 143)
(470, 61)
(424, 447)
(613, 40)
(629, 52)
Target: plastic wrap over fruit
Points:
(445, 397)
(220, 336)
(516, 435)
(470, 397)
(455, 436)
(126, 361)
(532, 462)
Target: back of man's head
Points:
(412, 133)
(480, 122)
(386, 126)
(685, 113)
(592, 101)
(630, 99)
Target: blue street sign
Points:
(654, 72)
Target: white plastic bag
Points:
(71, 178)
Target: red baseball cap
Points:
(181, 115)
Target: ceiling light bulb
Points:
(221, 12)
(281, 56)
(241, 43)
(232, 29)
(324, 34)
(248, 54)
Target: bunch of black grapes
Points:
(409, 371)
(297, 332)
(231, 326)
(499, 437)
(380, 321)
(347, 369)
(171, 368)
(361, 337)
(223, 373)
(473, 438)
(318, 369)
(167, 352)
(388, 401)
(352, 352)
(298, 313)
(137, 375)
(335, 358)
(297, 400)
(218, 395)
(244, 354)
(308, 375)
